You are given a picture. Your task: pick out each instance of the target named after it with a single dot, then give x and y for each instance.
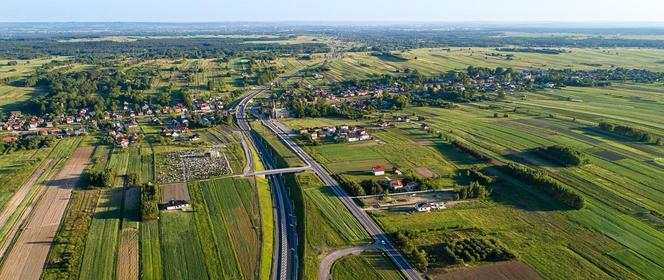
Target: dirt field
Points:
(127, 264)
(425, 172)
(26, 258)
(609, 155)
(14, 203)
(512, 270)
(174, 192)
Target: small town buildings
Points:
(176, 205)
(378, 170)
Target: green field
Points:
(327, 222)
(614, 236)
(230, 217)
(150, 248)
(286, 158)
(267, 226)
(101, 246)
(99, 256)
(181, 249)
(368, 265)
(436, 61)
(219, 239)
(585, 243)
(411, 150)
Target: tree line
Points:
(543, 182)
(564, 156)
(631, 132)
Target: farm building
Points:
(176, 205)
(378, 170)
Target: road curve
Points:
(326, 263)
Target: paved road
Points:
(326, 264)
(381, 240)
(280, 171)
(285, 253)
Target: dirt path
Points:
(27, 256)
(127, 263)
(12, 205)
(325, 267)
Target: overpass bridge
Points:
(280, 171)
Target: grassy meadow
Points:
(368, 265)
(362, 65)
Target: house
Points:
(124, 143)
(176, 205)
(411, 186)
(378, 170)
(194, 137)
(9, 139)
(383, 123)
(396, 185)
(396, 171)
(205, 108)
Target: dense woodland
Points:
(173, 48)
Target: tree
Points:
(149, 200)
(400, 101)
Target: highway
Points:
(286, 233)
(285, 258)
(381, 241)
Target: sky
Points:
(332, 10)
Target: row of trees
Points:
(540, 180)
(471, 151)
(101, 178)
(150, 201)
(474, 250)
(565, 156)
(474, 190)
(366, 187)
(478, 176)
(631, 132)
